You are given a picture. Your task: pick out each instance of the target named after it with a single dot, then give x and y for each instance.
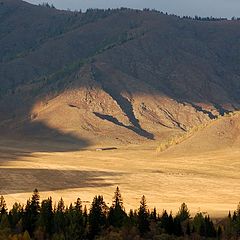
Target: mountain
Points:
(114, 76)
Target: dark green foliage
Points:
(59, 217)
(97, 216)
(183, 213)
(16, 216)
(3, 206)
(143, 222)
(46, 217)
(204, 226)
(117, 215)
(74, 221)
(167, 223)
(42, 222)
(219, 232)
(153, 215)
(31, 213)
(177, 227)
(209, 228)
(188, 230)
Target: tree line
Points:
(197, 18)
(45, 221)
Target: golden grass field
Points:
(208, 182)
(202, 170)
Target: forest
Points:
(47, 221)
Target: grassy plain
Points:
(208, 181)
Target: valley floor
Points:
(208, 182)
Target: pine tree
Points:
(97, 216)
(74, 221)
(117, 215)
(15, 215)
(153, 215)
(31, 213)
(78, 206)
(133, 217)
(164, 221)
(143, 223)
(177, 227)
(4, 223)
(85, 217)
(46, 217)
(199, 224)
(183, 213)
(59, 218)
(209, 226)
(3, 207)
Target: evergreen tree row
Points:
(43, 221)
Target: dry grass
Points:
(177, 139)
(208, 181)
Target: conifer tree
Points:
(85, 217)
(46, 217)
(153, 215)
(177, 227)
(97, 216)
(183, 213)
(143, 222)
(15, 215)
(4, 223)
(74, 221)
(78, 206)
(164, 221)
(3, 206)
(133, 217)
(59, 217)
(117, 215)
(198, 224)
(31, 213)
(209, 226)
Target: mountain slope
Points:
(122, 76)
(221, 135)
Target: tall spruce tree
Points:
(183, 213)
(117, 215)
(46, 217)
(3, 207)
(31, 212)
(97, 216)
(143, 222)
(177, 226)
(210, 229)
(15, 215)
(74, 221)
(59, 218)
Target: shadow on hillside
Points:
(25, 180)
(37, 137)
(138, 130)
